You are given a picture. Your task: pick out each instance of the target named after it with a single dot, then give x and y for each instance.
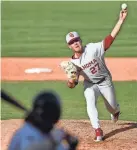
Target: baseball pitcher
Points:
(88, 61)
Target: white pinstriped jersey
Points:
(92, 63)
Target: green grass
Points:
(39, 28)
(74, 105)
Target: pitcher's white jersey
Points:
(92, 63)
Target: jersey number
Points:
(95, 68)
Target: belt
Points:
(103, 79)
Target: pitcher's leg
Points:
(91, 95)
(91, 98)
(110, 99)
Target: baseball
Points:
(124, 6)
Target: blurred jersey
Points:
(27, 136)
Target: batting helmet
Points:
(48, 106)
(46, 110)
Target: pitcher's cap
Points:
(71, 36)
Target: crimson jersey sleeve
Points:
(108, 41)
(102, 46)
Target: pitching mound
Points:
(120, 136)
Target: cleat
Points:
(115, 117)
(99, 135)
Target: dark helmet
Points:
(46, 111)
(47, 106)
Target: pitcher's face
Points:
(76, 45)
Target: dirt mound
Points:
(119, 136)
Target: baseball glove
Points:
(70, 69)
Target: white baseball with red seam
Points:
(124, 6)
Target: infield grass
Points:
(74, 104)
